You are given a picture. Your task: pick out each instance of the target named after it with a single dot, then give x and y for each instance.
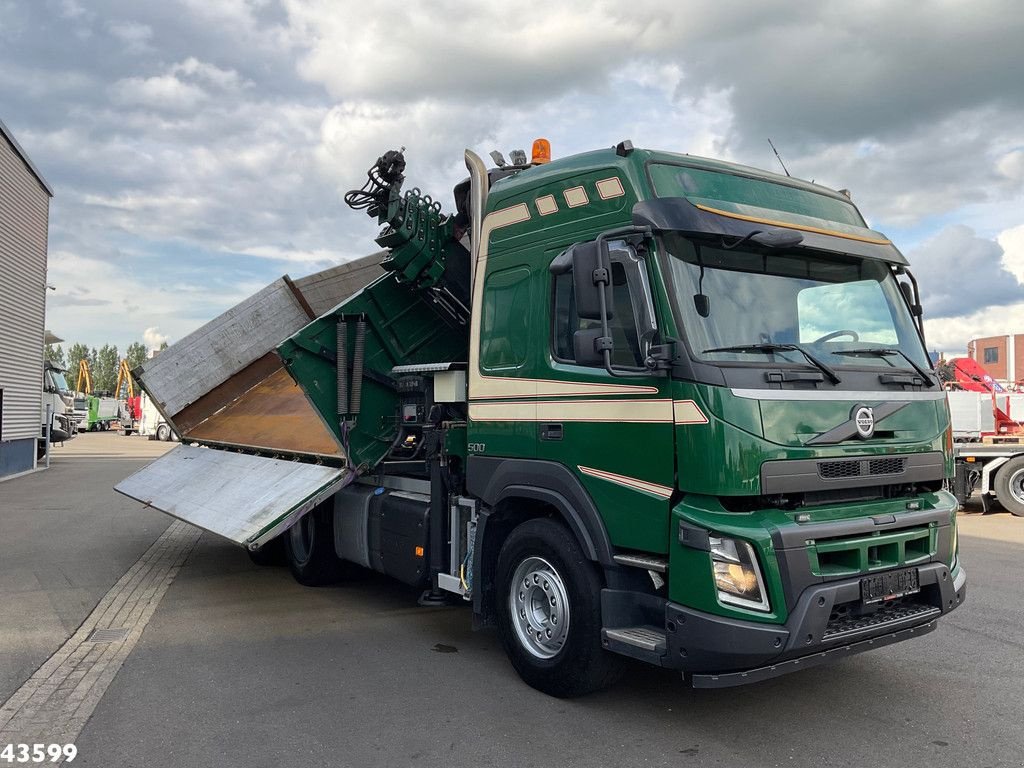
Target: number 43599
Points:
(37, 753)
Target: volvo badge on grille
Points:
(864, 418)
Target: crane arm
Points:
(83, 376)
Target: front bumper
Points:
(720, 652)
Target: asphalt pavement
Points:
(241, 666)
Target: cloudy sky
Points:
(200, 148)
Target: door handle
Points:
(550, 431)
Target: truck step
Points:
(648, 562)
(648, 639)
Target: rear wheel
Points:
(271, 553)
(163, 433)
(1009, 486)
(309, 548)
(549, 616)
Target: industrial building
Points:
(24, 225)
(999, 356)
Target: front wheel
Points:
(1009, 486)
(549, 616)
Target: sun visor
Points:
(722, 218)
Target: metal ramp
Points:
(246, 499)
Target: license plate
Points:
(889, 585)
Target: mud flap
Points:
(246, 499)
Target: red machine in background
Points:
(971, 376)
(988, 441)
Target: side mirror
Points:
(908, 293)
(585, 343)
(590, 279)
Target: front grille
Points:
(836, 470)
(886, 466)
(843, 621)
(851, 555)
(845, 468)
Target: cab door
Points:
(613, 430)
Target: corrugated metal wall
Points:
(24, 213)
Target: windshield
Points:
(59, 380)
(845, 311)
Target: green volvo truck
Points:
(627, 403)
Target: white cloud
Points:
(162, 92)
(123, 303)
(468, 52)
(72, 9)
(1011, 165)
(225, 79)
(184, 87)
(951, 334)
(225, 131)
(153, 339)
(135, 36)
(960, 273)
(1012, 243)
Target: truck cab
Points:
(716, 377)
(58, 405)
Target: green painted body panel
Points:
(690, 579)
(724, 457)
(403, 328)
(634, 519)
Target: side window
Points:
(632, 322)
(504, 324)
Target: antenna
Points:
(778, 156)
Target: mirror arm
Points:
(917, 310)
(602, 277)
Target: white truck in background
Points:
(152, 424)
(989, 448)
(57, 404)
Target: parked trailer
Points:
(627, 403)
(989, 448)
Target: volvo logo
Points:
(864, 418)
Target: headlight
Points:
(737, 574)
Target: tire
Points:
(163, 433)
(309, 548)
(543, 579)
(1009, 486)
(270, 554)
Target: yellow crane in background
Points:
(124, 378)
(84, 375)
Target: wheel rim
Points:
(539, 605)
(301, 539)
(1016, 486)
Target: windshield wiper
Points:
(882, 352)
(771, 347)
